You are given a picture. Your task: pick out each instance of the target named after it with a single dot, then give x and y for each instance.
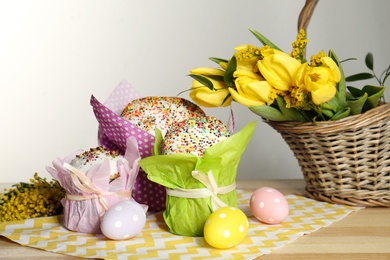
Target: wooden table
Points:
(364, 234)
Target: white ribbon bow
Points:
(212, 190)
(84, 184)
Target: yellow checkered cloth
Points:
(155, 242)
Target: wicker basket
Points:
(345, 161)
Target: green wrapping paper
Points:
(186, 216)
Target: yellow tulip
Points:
(332, 66)
(247, 56)
(323, 94)
(206, 97)
(278, 68)
(247, 73)
(251, 91)
(319, 81)
(206, 71)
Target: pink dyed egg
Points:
(269, 205)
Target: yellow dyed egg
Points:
(225, 227)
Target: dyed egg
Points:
(225, 227)
(123, 220)
(269, 205)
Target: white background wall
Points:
(55, 54)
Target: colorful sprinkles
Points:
(154, 111)
(194, 135)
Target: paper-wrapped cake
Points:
(197, 163)
(94, 180)
(126, 114)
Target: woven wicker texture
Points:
(345, 161)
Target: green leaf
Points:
(347, 60)
(341, 114)
(268, 112)
(364, 99)
(374, 95)
(264, 39)
(385, 77)
(290, 114)
(203, 80)
(157, 142)
(218, 60)
(226, 98)
(370, 61)
(327, 112)
(216, 77)
(350, 96)
(357, 104)
(373, 90)
(228, 77)
(341, 86)
(356, 92)
(359, 76)
(333, 104)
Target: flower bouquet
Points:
(338, 133)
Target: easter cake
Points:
(92, 159)
(194, 135)
(94, 180)
(159, 112)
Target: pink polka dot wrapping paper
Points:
(113, 132)
(155, 242)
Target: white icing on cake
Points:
(94, 158)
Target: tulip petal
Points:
(243, 100)
(206, 71)
(247, 73)
(323, 94)
(202, 81)
(279, 69)
(206, 97)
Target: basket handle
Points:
(305, 16)
(306, 13)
